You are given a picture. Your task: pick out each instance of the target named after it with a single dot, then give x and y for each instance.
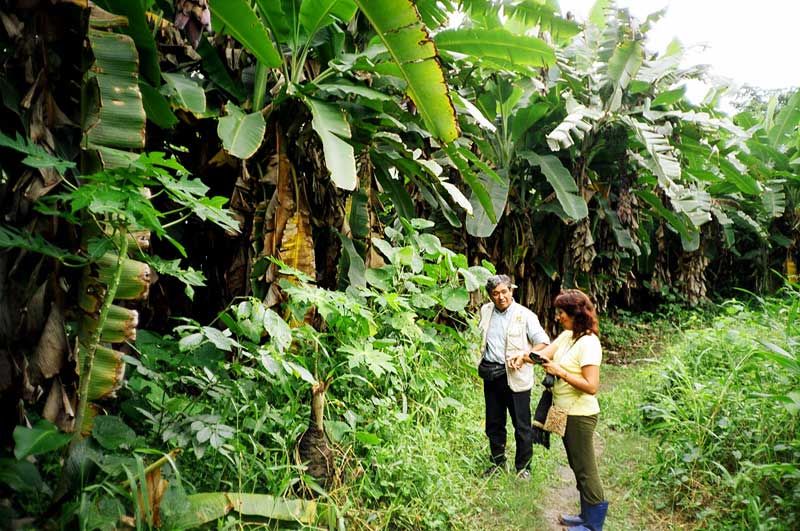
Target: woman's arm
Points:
(547, 352)
(588, 381)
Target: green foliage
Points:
(725, 408)
(42, 438)
(398, 361)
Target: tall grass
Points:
(724, 405)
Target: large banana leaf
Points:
(185, 93)
(244, 25)
(241, 133)
(459, 156)
(279, 22)
(498, 45)
(315, 14)
(578, 122)
(664, 164)
(562, 182)
(774, 200)
(533, 13)
(206, 507)
(399, 27)
(786, 122)
(479, 223)
(331, 126)
(689, 237)
(625, 62)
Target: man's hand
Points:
(517, 361)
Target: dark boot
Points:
(574, 520)
(595, 515)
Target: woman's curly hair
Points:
(577, 305)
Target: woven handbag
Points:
(556, 421)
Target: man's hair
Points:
(495, 280)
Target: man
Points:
(508, 329)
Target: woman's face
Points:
(564, 319)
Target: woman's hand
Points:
(554, 368)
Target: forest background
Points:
(239, 267)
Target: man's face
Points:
(502, 296)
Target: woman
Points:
(574, 358)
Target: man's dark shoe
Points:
(524, 474)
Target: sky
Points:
(754, 43)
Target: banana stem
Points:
(260, 86)
(94, 339)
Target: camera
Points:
(537, 359)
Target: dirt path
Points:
(565, 499)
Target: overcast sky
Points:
(757, 43)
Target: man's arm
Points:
(536, 334)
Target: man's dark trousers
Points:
(499, 398)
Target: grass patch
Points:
(724, 407)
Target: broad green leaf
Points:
(298, 370)
(367, 438)
(381, 278)
(359, 215)
(398, 26)
(185, 93)
(673, 220)
(774, 201)
(786, 121)
(473, 111)
(737, 174)
(457, 155)
(281, 24)
(518, 51)
(470, 280)
(578, 122)
(112, 433)
(21, 476)
(357, 269)
(244, 25)
(479, 223)
(457, 196)
(331, 126)
(156, 107)
(218, 72)
(42, 438)
(345, 88)
(315, 14)
(278, 329)
(397, 193)
(662, 157)
(241, 133)
(206, 507)
(455, 299)
(536, 14)
(625, 62)
(562, 182)
(597, 15)
(669, 97)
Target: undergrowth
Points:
(723, 407)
